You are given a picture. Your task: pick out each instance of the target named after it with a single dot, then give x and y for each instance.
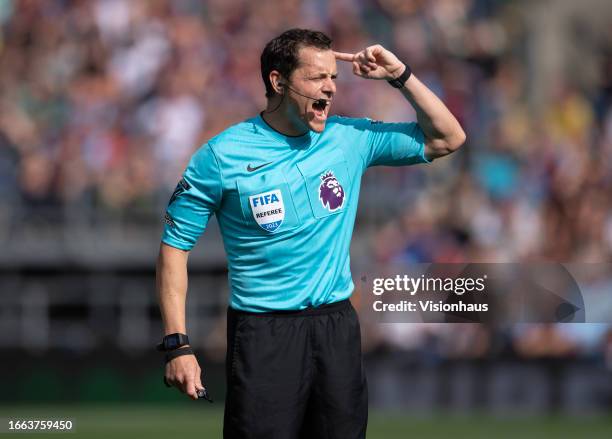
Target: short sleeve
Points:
(197, 196)
(391, 144)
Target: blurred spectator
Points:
(543, 341)
(102, 102)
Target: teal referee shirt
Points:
(285, 205)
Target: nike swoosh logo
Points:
(251, 168)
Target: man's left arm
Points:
(443, 134)
(442, 131)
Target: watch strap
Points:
(173, 341)
(401, 79)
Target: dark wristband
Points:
(171, 355)
(401, 79)
(173, 341)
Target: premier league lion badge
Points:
(331, 192)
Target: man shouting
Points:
(284, 186)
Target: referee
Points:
(284, 186)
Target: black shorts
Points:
(295, 374)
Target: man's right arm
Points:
(171, 278)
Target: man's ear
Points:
(277, 82)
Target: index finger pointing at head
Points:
(344, 56)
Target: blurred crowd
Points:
(431, 342)
(103, 101)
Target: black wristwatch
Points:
(401, 79)
(173, 341)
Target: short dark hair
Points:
(282, 53)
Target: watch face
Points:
(172, 343)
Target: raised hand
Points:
(374, 62)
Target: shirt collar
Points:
(302, 141)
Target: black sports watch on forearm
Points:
(401, 79)
(173, 341)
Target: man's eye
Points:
(322, 79)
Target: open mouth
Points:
(320, 109)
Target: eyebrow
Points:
(323, 75)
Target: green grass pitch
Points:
(198, 419)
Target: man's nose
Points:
(329, 87)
